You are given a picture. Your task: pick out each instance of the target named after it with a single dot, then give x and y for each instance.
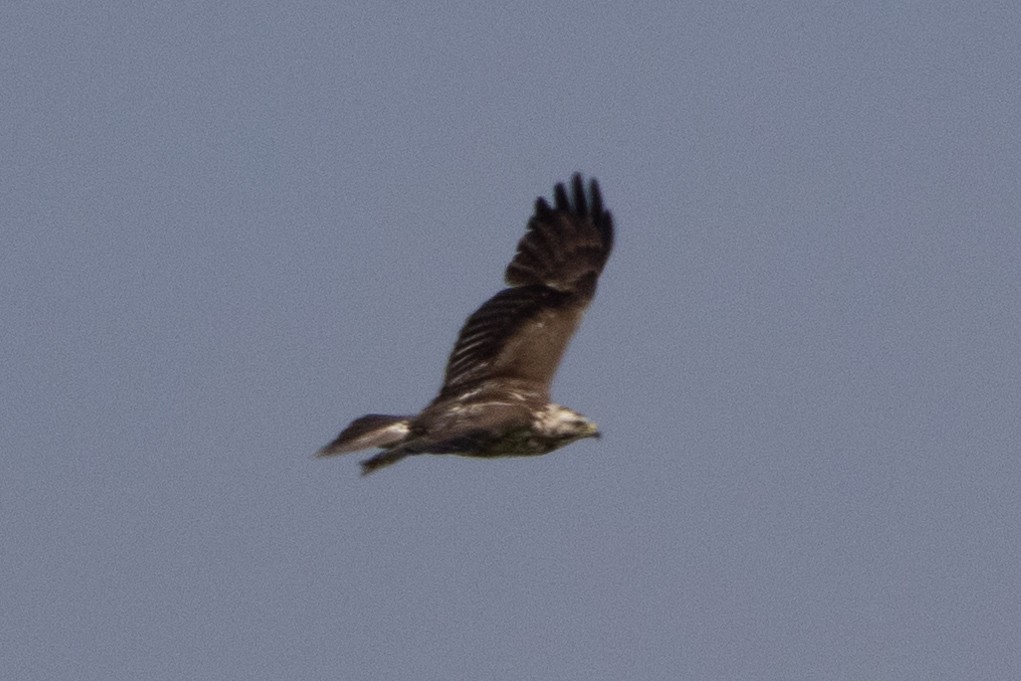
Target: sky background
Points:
(230, 228)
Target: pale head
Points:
(563, 424)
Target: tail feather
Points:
(383, 459)
(371, 430)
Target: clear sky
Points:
(230, 228)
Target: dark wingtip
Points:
(560, 199)
(597, 197)
(592, 205)
(577, 202)
(580, 202)
(575, 214)
(542, 208)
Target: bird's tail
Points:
(371, 430)
(383, 459)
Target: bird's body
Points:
(495, 395)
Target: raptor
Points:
(495, 398)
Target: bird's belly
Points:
(521, 442)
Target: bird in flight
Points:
(495, 397)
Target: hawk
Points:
(495, 396)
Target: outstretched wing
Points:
(520, 334)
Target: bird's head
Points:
(565, 424)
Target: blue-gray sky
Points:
(230, 228)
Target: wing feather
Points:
(521, 333)
(565, 247)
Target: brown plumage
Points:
(495, 395)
